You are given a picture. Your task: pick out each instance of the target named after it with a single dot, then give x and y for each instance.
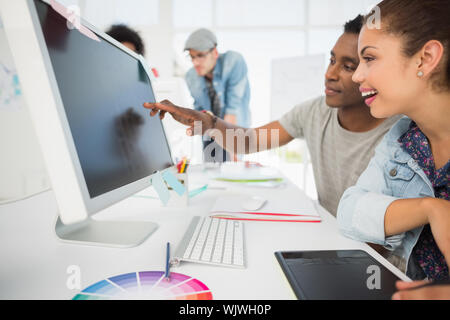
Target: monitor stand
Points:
(119, 234)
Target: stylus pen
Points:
(167, 275)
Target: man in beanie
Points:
(219, 85)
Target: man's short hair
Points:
(354, 26)
(123, 33)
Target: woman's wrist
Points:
(407, 214)
(428, 206)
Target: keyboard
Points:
(212, 241)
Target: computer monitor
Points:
(86, 101)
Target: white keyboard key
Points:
(217, 258)
(227, 258)
(197, 250)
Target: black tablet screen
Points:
(337, 275)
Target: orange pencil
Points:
(183, 166)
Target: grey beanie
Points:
(201, 40)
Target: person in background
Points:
(401, 201)
(218, 83)
(340, 132)
(128, 37)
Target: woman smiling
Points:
(402, 199)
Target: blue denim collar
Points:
(217, 73)
(396, 151)
(399, 155)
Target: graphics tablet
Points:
(337, 275)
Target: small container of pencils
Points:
(177, 200)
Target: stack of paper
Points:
(281, 209)
(253, 176)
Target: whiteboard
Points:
(10, 90)
(22, 168)
(295, 80)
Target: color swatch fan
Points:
(147, 285)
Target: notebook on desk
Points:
(253, 176)
(276, 209)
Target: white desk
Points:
(34, 262)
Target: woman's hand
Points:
(418, 290)
(439, 220)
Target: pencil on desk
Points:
(167, 274)
(183, 166)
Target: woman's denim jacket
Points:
(392, 174)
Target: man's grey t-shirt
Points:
(338, 156)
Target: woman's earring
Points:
(420, 74)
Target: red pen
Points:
(265, 220)
(266, 214)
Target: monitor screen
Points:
(103, 89)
